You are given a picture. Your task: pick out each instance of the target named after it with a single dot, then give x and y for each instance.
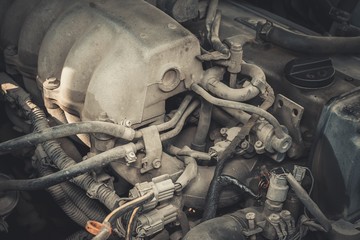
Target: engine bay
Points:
(132, 119)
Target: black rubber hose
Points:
(90, 207)
(213, 195)
(202, 130)
(70, 172)
(64, 202)
(73, 201)
(226, 227)
(306, 43)
(71, 169)
(66, 130)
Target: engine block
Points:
(100, 57)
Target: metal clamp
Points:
(153, 148)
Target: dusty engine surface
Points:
(131, 119)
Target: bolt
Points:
(130, 157)
(223, 131)
(244, 145)
(156, 163)
(285, 214)
(349, 79)
(51, 83)
(127, 123)
(258, 144)
(274, 218)
(250, 216)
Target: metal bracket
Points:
(153, 148)
(289, 113)
(251, 232)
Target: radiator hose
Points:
(307, 44)
(227, 227)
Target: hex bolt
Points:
(244, 145)
(258, 144)
(130, 157)
(285, 214)
(250, 216)
(156, 163)
(51, 83)
(223, 131)
(274, 218)
(127, 123)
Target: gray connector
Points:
(162, 186)
(155, 220)
(299, 173)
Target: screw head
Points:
(250, 216)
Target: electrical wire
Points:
(132, 223)
(118, 212)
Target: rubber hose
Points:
(65, 130)
(54, 151)
(306, 43)
(226, 227)
(64, 202)
(202, 130)
(72, 171)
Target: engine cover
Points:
(104, 56)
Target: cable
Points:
(118, 212)
(131, 223)
(226, 180)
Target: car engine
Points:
(179, 119)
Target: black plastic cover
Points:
(310, 72)
(336, 158)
